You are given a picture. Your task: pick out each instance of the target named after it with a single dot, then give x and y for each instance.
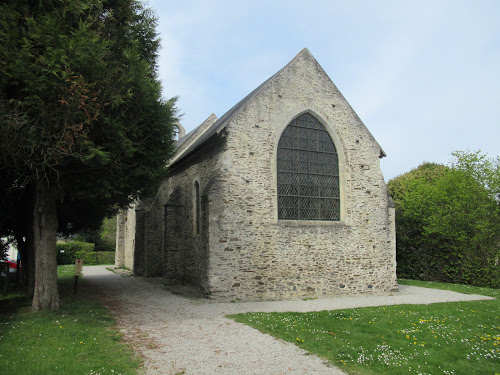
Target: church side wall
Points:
(153, 241)
(256, 256)
(158, 238)
(185, 256)
(120, 239)
(129, 238)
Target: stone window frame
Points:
(196, 208)
(342, 174)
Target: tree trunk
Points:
(46, 296)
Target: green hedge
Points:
(67, 253)
(98, 257)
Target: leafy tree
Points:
(448, 221)
(83, 125)
(108, 234)
(415, 254)
(103, 236)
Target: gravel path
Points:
(175, 333)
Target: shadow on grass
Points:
(17, 300)
(13, 303)
(79, 338)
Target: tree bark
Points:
(46, 295)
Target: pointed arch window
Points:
(308, 172)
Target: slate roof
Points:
(183, 143)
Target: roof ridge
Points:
(184, 143)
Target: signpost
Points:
(78, 271)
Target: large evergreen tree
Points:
(83, 125)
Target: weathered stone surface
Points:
(125, 239)
(243, 251)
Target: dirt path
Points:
(176, 333)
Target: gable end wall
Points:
(260, 257)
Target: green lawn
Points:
(444, 338)
(80, 338)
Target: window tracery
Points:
(308, 172)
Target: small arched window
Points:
(308, 172)
(197, 208)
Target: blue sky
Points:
(424, 76)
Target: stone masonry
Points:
(228, 241)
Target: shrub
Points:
(67, 253)
(98, 257)
(83, 250)
(448, 221)
(105, 246)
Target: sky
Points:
(423, 76)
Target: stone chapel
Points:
(282, 197)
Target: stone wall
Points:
(120, 240)
(243, 251)
(252, 254)
(125, 238)
(170, 241)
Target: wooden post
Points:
(78, 271)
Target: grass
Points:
(443, 338)
(80, 338)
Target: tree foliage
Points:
(104, 236)
(80, 97)
(448, 221)
(81, 116)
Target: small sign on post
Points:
(78, 271)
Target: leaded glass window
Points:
(308, 172)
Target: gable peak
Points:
(304, 51)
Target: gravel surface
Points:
(174, 333)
